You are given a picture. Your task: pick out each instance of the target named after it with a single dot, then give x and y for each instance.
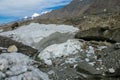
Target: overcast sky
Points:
(15, 9)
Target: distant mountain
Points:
(80, 7)
(84, 14)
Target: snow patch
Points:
(26, 17)
(44, 12)
(35, 15)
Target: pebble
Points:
(111, 70)
(98, 69)
(87, 60)
(92, 63)
(75, 65)
(117, 45)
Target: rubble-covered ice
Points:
(16, 66)
(35, 33)
(74, 47)
(67, 48)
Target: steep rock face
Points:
(81, 7)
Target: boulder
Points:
(12, 48)
(100, 34)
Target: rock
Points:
(12, 49)
(85, 68)
(117, 46)
(2, 75)
(14, 25)
(111, 70)
(100, 34)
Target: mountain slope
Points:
(71, 10)
(80, 7)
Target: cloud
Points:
(22, 8)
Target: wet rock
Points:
(12, 48)
(100, 34)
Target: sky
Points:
(11, 10)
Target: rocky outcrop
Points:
(100, 34)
